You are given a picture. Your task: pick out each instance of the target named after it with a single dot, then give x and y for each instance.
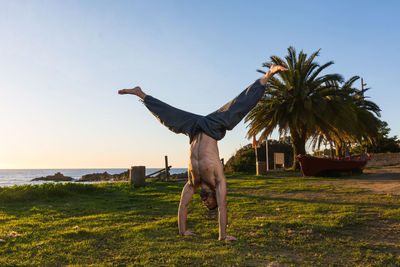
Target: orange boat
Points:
(313, 166)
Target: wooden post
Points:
(166, 169)
(362, 90)
(266, 155)
(137, 175)
(257, 172)
(261, 168)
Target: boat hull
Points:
(313, 166)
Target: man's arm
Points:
(220, 191)
(186, 196)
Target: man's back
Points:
(205, 166)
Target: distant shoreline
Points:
(28, 169)
(10, 177)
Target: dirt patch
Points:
(383, 180)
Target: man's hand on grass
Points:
(228, 238)
(188, 233)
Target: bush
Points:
(245, 159)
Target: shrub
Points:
(245, 159)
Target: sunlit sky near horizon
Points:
(62, 62)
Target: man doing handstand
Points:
(205, 168)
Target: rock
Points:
(94, 177)
(105, 176)
(180, 175)
(57, 177)
(123, 176)
(175, 176)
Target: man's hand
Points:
(188, 233)
(228, 238)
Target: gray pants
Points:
(214, 124)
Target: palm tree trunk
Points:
(299, 148)
(331, 150)
(338, 149)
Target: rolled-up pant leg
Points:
(229, 115)
(176, 120)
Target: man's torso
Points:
(205, 166)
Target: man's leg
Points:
(176, 120)
(229, 115)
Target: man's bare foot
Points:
(272, 70)
(276, 68)
(134, 91)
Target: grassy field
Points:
(279, 221)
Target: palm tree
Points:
(300, 101)
(361, 124)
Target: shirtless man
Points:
(205, 168)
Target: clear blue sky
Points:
(62, 62)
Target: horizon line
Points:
(83, 168)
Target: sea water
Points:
(24, 176)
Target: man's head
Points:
(208, 198)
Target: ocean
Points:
(24, 176)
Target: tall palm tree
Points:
(361, 124)
(300, 101)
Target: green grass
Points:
(288, 220)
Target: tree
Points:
(361, 124)
(384, 143)
(300, 101)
